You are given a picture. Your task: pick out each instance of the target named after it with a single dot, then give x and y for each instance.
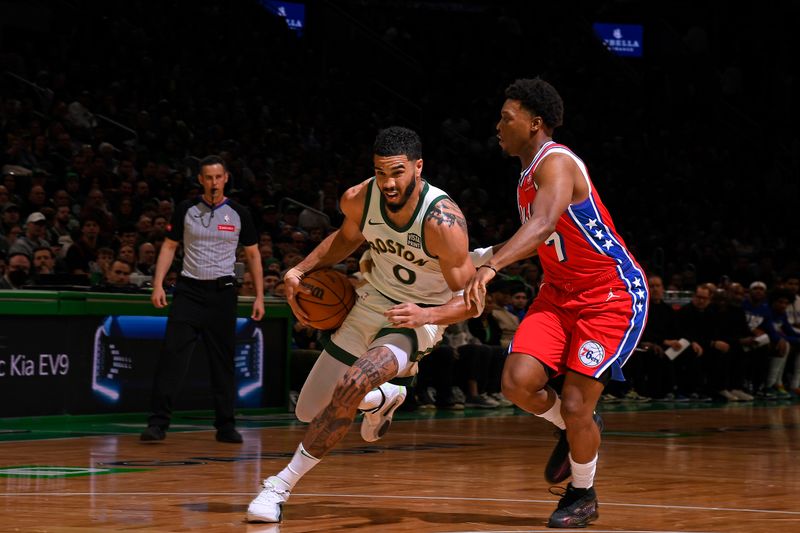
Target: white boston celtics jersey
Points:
(404, 270)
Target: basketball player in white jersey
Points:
(419, 246)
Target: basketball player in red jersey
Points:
(592, 306)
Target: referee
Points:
(204, 304)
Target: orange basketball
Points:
(330, 299)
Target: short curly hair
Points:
(396, 140)
(540, 98)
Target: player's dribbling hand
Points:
(293, 283)
(158, 297)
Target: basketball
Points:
(330, 299)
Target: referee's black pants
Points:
(202, 311)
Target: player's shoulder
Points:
(558, 156)
(443, 215)
(358, 191)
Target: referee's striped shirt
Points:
(210, 236)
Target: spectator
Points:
(731, 374)
(500, 293)
(10, 238)
(17, 272)
(472, 365)
(37, 199)
(10, 217)
(118, 277)
(518, 303)
(248, 288)
(44, 261)
(35, 230)
(695, 323)
(63, 224)
(783, 339)
(147, 259)
(127, 253)
(792, 284)
(486, 330)
(653, 372)
(4, 198)
(105, 257)
(81, 255)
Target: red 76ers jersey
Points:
(585, 244)
(591, 310)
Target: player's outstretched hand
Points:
(407, 315)
(293, 283)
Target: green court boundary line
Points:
(79, 471)
(121, 424)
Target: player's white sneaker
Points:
(267, 505)
(377, 421)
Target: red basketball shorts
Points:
(584, 330)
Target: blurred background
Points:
(687, 128)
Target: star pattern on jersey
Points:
(639, 294)
(608, 244)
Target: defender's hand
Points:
(475, 291)
(407, 315)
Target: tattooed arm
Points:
(445, 238)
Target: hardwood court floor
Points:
(720, 469)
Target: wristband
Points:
(480, 256)
(487, 265)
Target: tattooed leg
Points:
(329, 427)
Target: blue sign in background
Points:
(294, 13)
(621, 39)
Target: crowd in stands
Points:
(99, 142)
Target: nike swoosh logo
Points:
(371, 223)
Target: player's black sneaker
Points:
(576, 508)
(153, 434)
(229, 435)
(558, 468)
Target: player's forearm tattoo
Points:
(447, 212)
(332, 424)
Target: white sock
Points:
(554, 415)
(300, 464)
(374, 398)
(775, 370)
(795, 383)
(583, 474)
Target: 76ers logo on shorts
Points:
(591, 353)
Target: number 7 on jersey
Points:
(555, 240)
